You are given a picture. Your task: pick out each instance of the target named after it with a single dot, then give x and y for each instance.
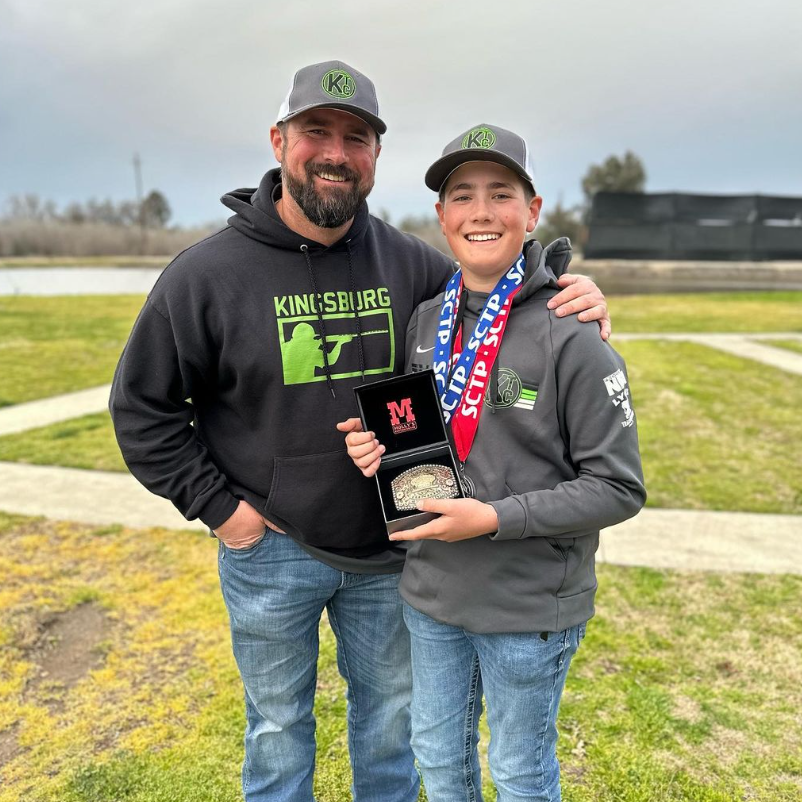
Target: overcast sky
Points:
(707, 93)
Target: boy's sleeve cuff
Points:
(511, 519)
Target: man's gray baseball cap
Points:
(482, 143)
(332, 85)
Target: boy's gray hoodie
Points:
(556, 454)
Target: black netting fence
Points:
(628, 225)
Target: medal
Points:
(462, 375)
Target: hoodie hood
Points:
(255, 216)
(544, 266)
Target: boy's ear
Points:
(534, 213)
(438, 207)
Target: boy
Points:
(498, 589)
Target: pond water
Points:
(77, 280)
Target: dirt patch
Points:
(687, 709)
(66, 649)
(8, 745)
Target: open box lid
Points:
(404, 412)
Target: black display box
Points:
(404, 413)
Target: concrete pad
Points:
(21, 417)
(628, 276)
(690, 540)
(94, 497)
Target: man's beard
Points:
(336, 209)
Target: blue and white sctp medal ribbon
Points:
(451, 384)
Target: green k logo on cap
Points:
(338, 83)
(479, 138)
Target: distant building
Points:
(676, 226)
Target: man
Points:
(220, 404)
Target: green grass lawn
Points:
(789, 345)
(56, 345)
(50, 346)
(712, 433)
(731, 311)
(716, 431)
(86, 442)
(687, 686)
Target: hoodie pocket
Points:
(326, 502)
(561, 547)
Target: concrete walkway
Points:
(681, 539)
(747, 346)
(21, 417)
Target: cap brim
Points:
(371, 119)
(439, 172)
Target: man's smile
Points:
(326, 176)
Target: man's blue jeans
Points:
(275, 594)
(522, 677)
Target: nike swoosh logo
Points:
(420, 350)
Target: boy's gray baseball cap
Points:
(332, 85)
(482, 143)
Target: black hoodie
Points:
(244, 357)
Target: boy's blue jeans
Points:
(275, 594)
(522, 677)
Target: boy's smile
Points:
(485, 216)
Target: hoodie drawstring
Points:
(325, 342)
(357, 319)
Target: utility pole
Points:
(143, 235)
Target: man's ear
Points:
(534, 213)
(438, 207)
(276, 140)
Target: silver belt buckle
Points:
(420, 482)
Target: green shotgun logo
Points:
(302, 342)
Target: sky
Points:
(707, 93)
